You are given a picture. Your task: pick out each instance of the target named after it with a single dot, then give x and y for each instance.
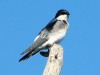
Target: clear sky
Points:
(21, 21)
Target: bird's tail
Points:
(29, 54)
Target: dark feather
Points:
(35, 45)
(31, 50)
(29, 54)
(51, 24)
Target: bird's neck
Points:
(62, 17)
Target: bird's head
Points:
(62, 14)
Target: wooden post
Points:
(55, 61)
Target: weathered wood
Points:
(55, 61)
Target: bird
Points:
(52, 33)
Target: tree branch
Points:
(55, 61)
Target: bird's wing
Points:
(40, 39)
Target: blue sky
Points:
(21, 21)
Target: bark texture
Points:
(55, 61)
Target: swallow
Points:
(51, 34)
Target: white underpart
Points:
(55, 37)
(62, 17)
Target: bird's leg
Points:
(45, 54)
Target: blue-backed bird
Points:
(51, 34)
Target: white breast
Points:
(56, 37)
(59, 37)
